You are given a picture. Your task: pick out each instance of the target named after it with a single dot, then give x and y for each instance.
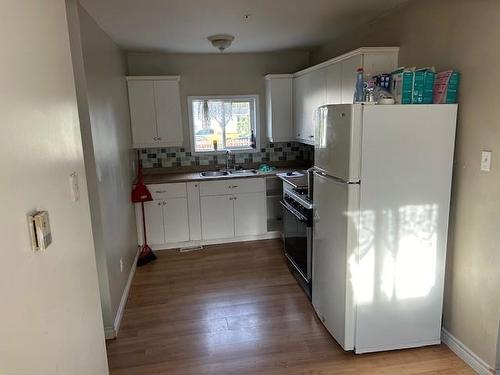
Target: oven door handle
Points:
(299, 217)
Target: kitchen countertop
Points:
(163, 178)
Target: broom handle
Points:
(144, 224)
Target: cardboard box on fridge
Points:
(423, 86)
(446, 87)
(402, 85)
(413, 86)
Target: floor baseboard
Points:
(265, 236)
(110, 332)
(467, 355)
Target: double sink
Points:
(232, 172)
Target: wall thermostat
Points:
(39, 226)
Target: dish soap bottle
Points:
(253, 143)
(359, 92)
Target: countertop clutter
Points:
(167, 175)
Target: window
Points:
(223, 123)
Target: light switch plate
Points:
(486, 161)
(74, 187)
(39, 226)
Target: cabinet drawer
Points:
(232, 186)
(163, 191)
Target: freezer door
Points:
(334, 242)
(337, 148)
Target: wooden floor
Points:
(235, 309)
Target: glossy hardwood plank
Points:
(236, 309)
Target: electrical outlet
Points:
(486, 161)
(121, 264)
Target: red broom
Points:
(141, 194)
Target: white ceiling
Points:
(184, 25)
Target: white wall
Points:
(498, 348)
(218, 74)
(103, 106)
(50, 315)
(462, 35)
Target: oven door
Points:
(296, 236)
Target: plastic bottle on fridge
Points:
(359, 92)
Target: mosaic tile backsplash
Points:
(180, 157)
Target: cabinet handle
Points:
(159, 203)
(311, 136)
(298, 134)
(232, 186)
(164, 203)
(159, 138)
(160, 191)
(155, 138)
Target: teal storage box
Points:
(423, 86)
(402, 85)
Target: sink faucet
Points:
(228, 155)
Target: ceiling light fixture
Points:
(221, 41)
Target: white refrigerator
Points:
(382, 182)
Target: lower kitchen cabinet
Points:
(153, 213)
(204, 211)
(167, 221)
(194, 211)
(217, 217)
(175, 220)
(250, 214)
(233, 208)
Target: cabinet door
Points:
(250, 214)
(217, 217)
(378, 63)
(168, 112)
(299, 101)
(142, 112)
(194, 215)
(334, 84)
(316, 97)
(279, 109)
(154, 222)
(175, 218)
(349, 68)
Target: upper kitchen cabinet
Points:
(309, 92)
(279, 115)
(373, 61)
(332, 82)
(155, 111)
(348, 71)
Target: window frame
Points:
(256, 123)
